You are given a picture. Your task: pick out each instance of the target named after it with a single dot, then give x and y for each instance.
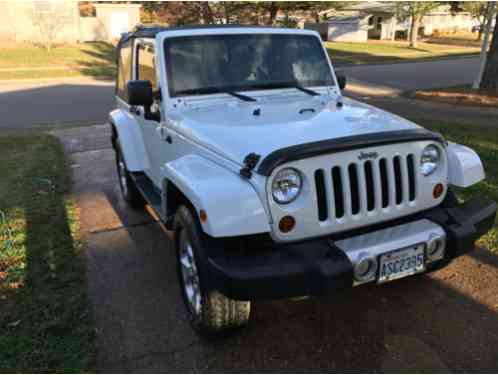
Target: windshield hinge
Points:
(250, 161)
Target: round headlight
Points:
(286, 185)
(429, 160)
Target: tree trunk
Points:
(273, 13)
(227, 12)
(480, 33)
(414, 31)
(207, 14)
(490, 76)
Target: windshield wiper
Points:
(307, 91)
(285, 85)
(239, 96)
(215, 90)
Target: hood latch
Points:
(250, 161)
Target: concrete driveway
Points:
(440, 323)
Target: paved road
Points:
(84, 101)
(79, 101)
(446, 322)
(416, 75)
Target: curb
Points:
(55, 80)
(338, 65)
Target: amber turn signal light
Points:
(438, 191)
(203, 216)
(286, 224)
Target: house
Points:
(362, 21)
(30, 21)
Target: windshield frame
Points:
(244, 88)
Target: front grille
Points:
(361, 188)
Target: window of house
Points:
(371, 20)
(379, 23)
(124, 70)
(146, 64)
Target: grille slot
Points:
(363, 187)
(338, 194)
(397, 180)
(384, 183)
(411, 177)
(369, 180)
(355, 193)
(320, 195)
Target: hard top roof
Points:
(150, 31)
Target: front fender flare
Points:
(232, 205)
(464, 166)
(130, 139)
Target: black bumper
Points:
(316, 268)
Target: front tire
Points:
(209, 311)
(128, 188)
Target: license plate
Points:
(401, 263)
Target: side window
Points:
(146, 64)
(124, 70)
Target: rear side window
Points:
(124, 70)
(146, 64)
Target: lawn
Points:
(27, 61)
(45, 325)
(484, 140)
(377, 52)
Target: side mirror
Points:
(140, 94)
(341, 80)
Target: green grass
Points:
(374, 51)
(87, 59)
(44, 322)
(484, 140)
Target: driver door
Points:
(145, 69)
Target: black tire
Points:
(214, 313)
(128, 188)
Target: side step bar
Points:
(148, 191)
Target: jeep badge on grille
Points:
(368, 155)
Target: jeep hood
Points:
(235, 129)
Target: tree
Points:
(50, 18)
(183, 12)
(479, 10)
(415, 11)
(86, 9)
(490, 76)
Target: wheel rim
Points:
(190, 275)
(122, 176)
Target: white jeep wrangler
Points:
(274, 184)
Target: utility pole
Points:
(485, 43)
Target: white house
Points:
(377, 20)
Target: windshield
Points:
(217, 63)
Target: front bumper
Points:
(317, 267)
